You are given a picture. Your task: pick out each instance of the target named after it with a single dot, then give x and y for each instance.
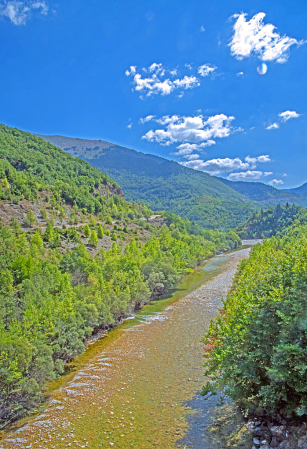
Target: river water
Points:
(139, 385)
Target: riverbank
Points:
(134, 388)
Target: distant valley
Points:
(209, 201)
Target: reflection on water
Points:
(138, 386)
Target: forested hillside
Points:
(301, 190)
(214, 203)
(75, 257)
(163, 184)
(256, 348)
(274, 220)
(264, 195)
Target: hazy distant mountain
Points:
(164, 184)
(302, 190)
(265, 195)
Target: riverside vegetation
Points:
(75, 257)
(256, 349)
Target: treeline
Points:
(272, 221)
(256, 349)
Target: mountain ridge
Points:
(163, 184)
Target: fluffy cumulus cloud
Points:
(206, 69)
(19, 11)
(273, 126)
(276, 182)
(287, 115)
(191, 129)
(255, 37)
(157, 81)
(219, 165)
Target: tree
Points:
(49, 233)
(5, 183)
(30, 218)
(100, 232)
(108, 232)
(87, 231)
(93, 240)
(114, 236)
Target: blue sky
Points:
(173, 78)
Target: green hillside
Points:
(212, 202)
(270, 222)
(264, 195)
(301, 190)
(163, 184)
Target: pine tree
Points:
(31, 218)
(87, 231)
(93, 240)
(49, 233)
(114, 236)
(100, 232)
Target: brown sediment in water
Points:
(135, 387)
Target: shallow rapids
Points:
(139, 386)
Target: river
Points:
(138, 386)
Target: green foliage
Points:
(257, 346)
(108, 233)
(270, 222)
(93, 240)
(30, 219)
(113, 236)
(87, 230)
(30, 164)
(100, 232)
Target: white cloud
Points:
(155, 83)
(249, 174)
(285, 174)
(240, 74)
(255, 37)
(146, 119)
(206, 69)
(217, 166)
(130, 125)
(253, 161)
(191, 129)
(276, 182)
(18, 11)
(132, 71)
(185, 149)
(188, 66)
(202, 28)
(273, 126)
(288, 114)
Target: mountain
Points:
(302, 190)
(164, 184)
(265, 195)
